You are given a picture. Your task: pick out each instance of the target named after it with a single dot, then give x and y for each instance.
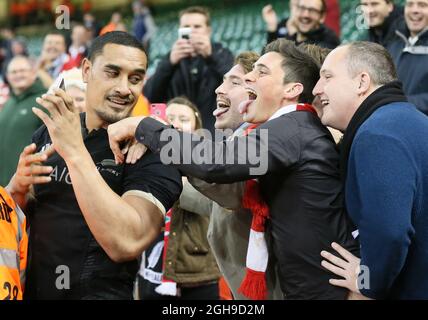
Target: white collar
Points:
(283, 110)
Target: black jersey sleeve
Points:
(149, 175)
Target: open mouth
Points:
(222, 107)
(324, 102)
(252, 95)
(305, 21)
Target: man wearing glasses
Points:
(309, 23)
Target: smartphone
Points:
(159, 110)
(58, 84)
(184, 33)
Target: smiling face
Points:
(229, 95)
(309, 15)
(114, 82)
(265, 87)
(53, 46)
(416, 15)
(20, 74)
(376, 11)
(337, 91)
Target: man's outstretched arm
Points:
(269, 148)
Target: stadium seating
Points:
(239, 29)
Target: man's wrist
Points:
(77, 157)
(14, 190)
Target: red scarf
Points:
(254, 284)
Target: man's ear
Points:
(292, 91)
(364, 84)
(86, 69)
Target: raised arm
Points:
(123, 225)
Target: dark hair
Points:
(113, 37)
(56, 33)
(183, 100)
(371, 58)
(298, 66)
(197, 9)
(323, 7)
(246, 60)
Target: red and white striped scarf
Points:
(254, 284)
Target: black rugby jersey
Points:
(60, 239)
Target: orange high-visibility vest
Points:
(13, 248)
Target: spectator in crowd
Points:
(115, 21)
(186, 263)
(52, 58)
(383, 18)
(17, 121)
(383, 166)
(78, 47)
(74, 220)
(143, 26)
(310, 15)
(300, 189)
(91, 24)
(4, 93)
(286, 28)
(310, 28)
(194, 67)
(6, 37)
(409, 49)
(18, 47)
(228, 231)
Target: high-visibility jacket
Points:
(13, 248)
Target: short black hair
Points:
(114, 37)
(297, 65)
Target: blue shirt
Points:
(386, 180)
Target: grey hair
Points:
(363, 56)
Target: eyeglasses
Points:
(312, 11)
